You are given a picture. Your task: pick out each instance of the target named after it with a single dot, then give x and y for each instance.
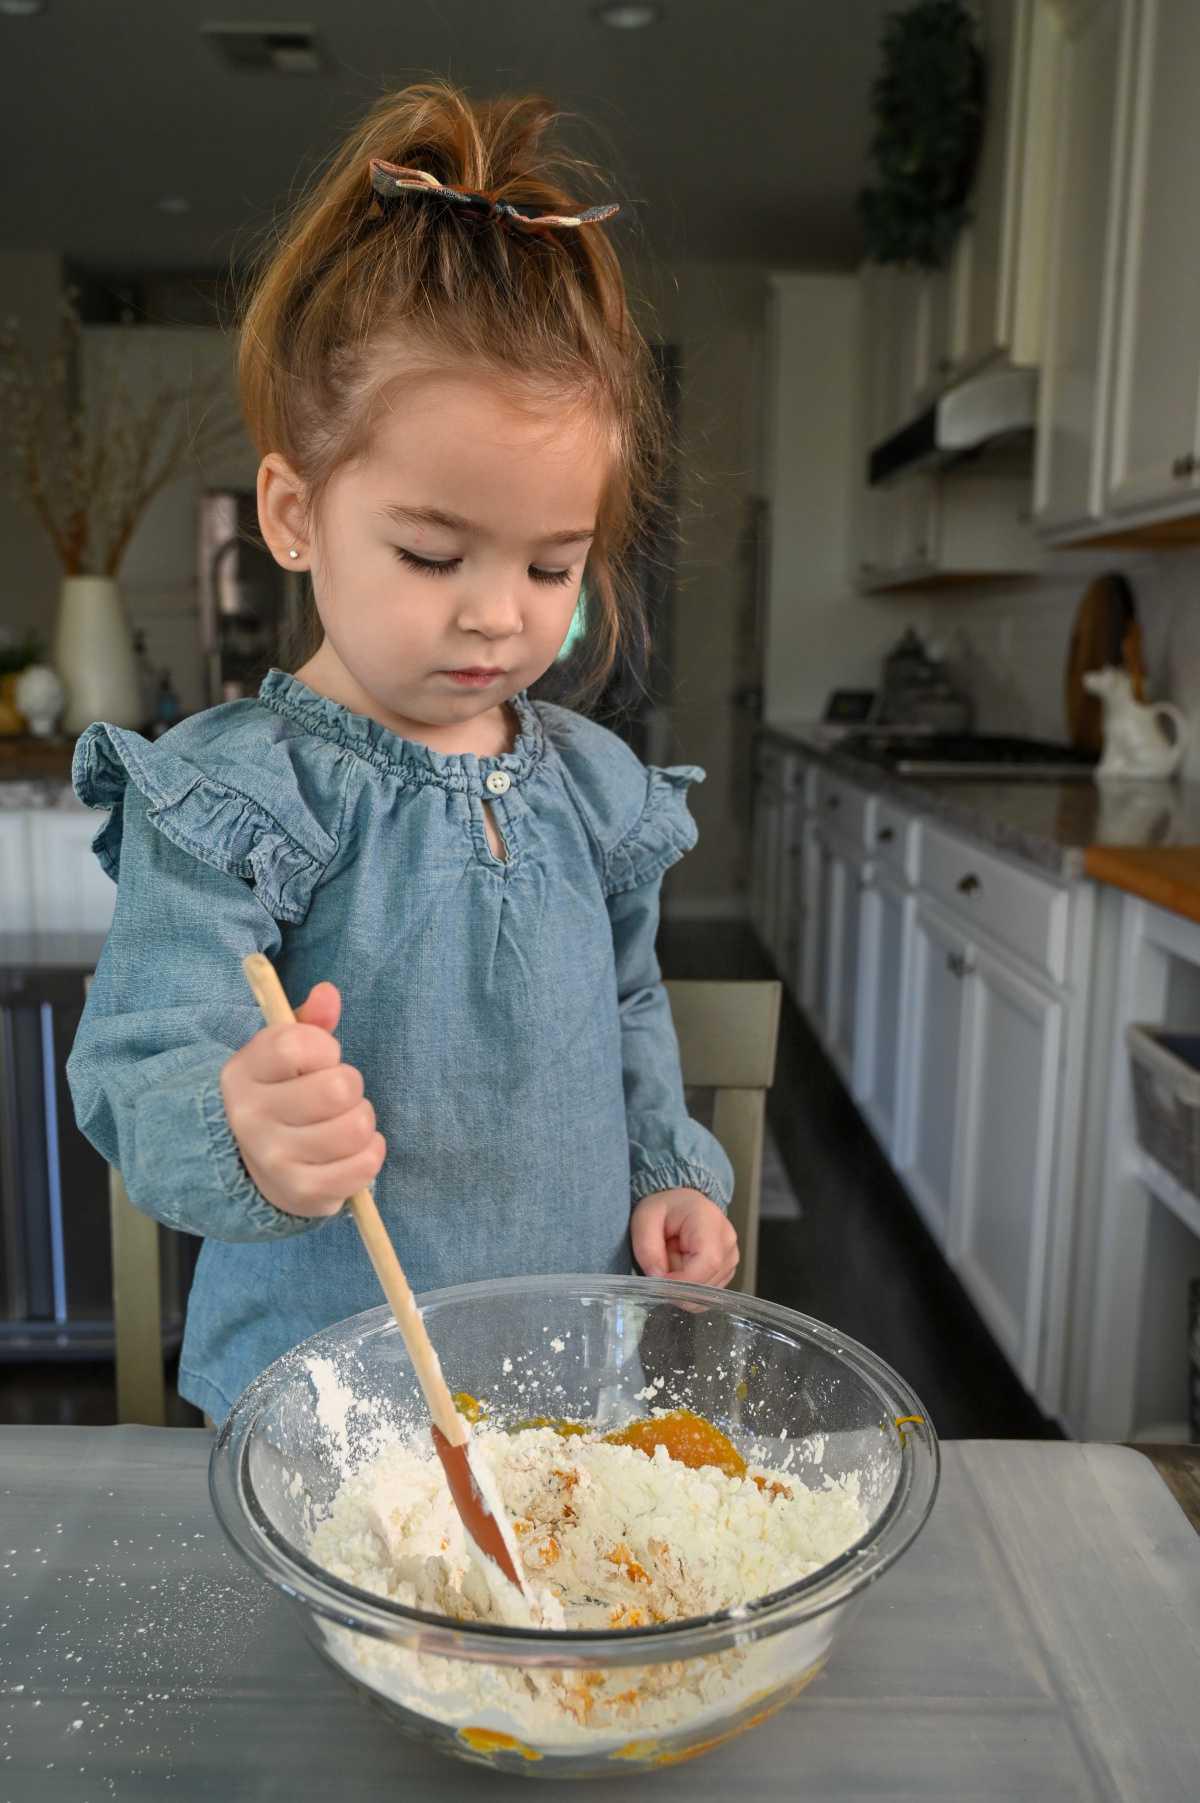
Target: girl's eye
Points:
(443, 569)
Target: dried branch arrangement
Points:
(89, 472)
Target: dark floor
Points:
(858, 1257)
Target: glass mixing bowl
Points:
(596, 1349)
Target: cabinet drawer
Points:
(1025, 912)
(893, 839)
(845, 810)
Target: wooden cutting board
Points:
(1104, 616)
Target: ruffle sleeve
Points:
(636, 815)
(233, 831)
(663, 832)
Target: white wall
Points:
(821, 634)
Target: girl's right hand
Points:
(304, 1129)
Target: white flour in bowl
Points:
(610, 1538)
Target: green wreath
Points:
(927, 105)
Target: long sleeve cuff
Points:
(180, 1161)
(681, 1173)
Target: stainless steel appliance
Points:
(55, 1248)
(970, 754)
(250, 608)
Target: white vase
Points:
(94, 655)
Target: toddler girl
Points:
(456, 414)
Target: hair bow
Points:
(389, 180)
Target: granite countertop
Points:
(1052, 823)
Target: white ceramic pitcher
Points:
(1141, 739)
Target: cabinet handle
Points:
(956, 964)
(969, 884)
(1185, 465)
(886, 834)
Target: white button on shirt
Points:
(498, 783)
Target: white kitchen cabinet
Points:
(1000, 258)
(821, 930)
(952, 986)
(944, 322)
(883, 964)
(906, 365)
(845, 892)
(792, 906)
(16, 887)
(922, 530)
(765, 848)
(937, 1035)
(1154, 448)
(1093, 104)
(1000, 1226)
(71, 893)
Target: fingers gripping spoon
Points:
(472, 1487)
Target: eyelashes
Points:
(555, 578)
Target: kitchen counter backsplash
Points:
(1048, 823)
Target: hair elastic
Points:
(390, 180)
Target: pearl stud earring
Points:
(293, 552)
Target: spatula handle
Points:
(277, 1011)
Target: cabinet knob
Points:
(956, 964)
(833, 801)
(886, 834)
(1185, 465)
(969, 884)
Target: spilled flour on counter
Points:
(611, 1538)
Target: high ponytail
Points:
(350, 299)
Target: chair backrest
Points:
(136, 1304)
(727, 1036)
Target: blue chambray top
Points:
(508, 1016)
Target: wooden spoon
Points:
(483, 1517)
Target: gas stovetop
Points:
(969, 754)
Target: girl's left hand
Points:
(681, 1233)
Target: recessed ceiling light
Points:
(174, 203)
(627, 15)
(22, 9)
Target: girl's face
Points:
(446, 566)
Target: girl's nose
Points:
(493, 613)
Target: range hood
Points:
(997, 404)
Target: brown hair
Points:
(348, 300)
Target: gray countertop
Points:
(1041, 1639)
(1048, 823)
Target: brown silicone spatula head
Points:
(472, 1505)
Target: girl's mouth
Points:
(476, 678)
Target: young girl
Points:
(456, 414)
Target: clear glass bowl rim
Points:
(254, 1536)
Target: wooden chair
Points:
(727, 1036)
